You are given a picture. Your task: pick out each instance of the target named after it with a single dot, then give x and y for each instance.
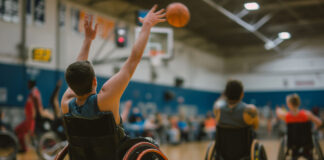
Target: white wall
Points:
(37, 35)
(298, 67)
(199, 69)
(44, 35)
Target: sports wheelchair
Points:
(101, 139)
(8, 145)
(235, 144)
(300, 141)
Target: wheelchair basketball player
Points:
(236, 122)
(299, 140)
(84, 108)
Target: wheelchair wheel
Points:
(49, 145)
(282, 149)
(63, 154)
(258, 151)
(150, 154)
(8, 146)
(144, 151)
(318, 150)
(210, 151)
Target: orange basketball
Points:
(177, 14)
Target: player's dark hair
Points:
(233, 91)
(79, 76)
(294, 99)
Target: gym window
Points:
(9, 10)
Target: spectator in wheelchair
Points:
(81, 100)
(295, 114)
(231, 112)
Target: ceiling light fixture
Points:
(284, 35)
(251, 6)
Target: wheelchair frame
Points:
(257, 151)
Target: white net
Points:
(156, 60)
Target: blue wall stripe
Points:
(14, 79)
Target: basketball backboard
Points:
(160, 42)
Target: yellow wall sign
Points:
(42, 54)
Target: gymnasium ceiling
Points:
(210, 29)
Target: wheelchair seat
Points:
(101, 139)
(235, 144)
(8, 145)
(299, 135)
(94, 139)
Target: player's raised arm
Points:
(112, 90)
(90, 35)
(281, 114)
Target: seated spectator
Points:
(184, 128)
(135, 116)
(210, 126)
(194, 124)
(150, 127)
(174, 132)
(161, 126)
(4, 126)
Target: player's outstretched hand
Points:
(90, 33)
(152, 18)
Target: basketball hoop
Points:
(156, 58)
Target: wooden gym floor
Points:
(187, 151)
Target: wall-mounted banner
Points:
(106, 26)
(39, 11)
(41, 54)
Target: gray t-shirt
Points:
(231, 117)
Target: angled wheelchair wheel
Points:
(258, 151)
(282, 149)
(210, 153)
(8, 146)
(49, 145)
(144, 151)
